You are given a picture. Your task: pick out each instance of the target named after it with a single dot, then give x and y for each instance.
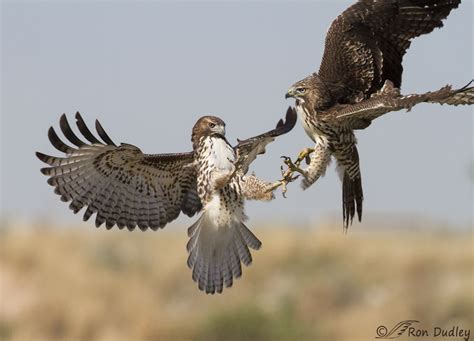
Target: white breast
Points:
(302, 115)
(221, 155)
(311, 129)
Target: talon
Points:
(287, 177)
(292, 166)
(283, 190)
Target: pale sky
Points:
(148, 70)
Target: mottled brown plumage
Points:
(359, 80)
(124, 187)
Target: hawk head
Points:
(207, 126)
(310, 90)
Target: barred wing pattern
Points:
(365, 45)
(248, 150)
(389, 99)
(123, 186)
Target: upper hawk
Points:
(359, 80)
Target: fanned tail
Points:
(217, 251)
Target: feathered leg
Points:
(319, 161)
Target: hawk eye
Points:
(212, 125)
(301, 90)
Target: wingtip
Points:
(291, 113)
(103, 135)
(45, 171)
(40, 156)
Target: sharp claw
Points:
(287, 177)
(283, 190)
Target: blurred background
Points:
(148, 70)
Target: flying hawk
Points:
(359, 80)
(128, 188)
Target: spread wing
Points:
(389, 99)
(123, 186)
(247, 150)
(365, 45)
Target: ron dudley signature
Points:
(409, 328)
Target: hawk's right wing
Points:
(123, 186)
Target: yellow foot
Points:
(305, 154)
(292, 166)
(287, 177)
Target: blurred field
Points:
(305, 284)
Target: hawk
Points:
(123, 186)
(359, 80)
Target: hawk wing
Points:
(123, 186)
(247, 150)
(365, 45)
(389, 99)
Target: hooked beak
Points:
(290, 93)
(221, 130)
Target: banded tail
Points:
(216, 251)
(352, 198)
(352, 193)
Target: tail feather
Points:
(352, 194)
(352, 198)
(249, 237)
(242, 249)
(235, 261)
(227, 271)
(216, 252)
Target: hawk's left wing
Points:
(247, 150)
(389, 99)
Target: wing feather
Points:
(119, 184)
(85, 130)
(389, 99)
(103, 135)
(365, 45)
(248, 150)
(67, 131)
(57, 143)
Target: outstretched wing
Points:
(247, 150)
(365, 45)
(389, 99)
(123, 186)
